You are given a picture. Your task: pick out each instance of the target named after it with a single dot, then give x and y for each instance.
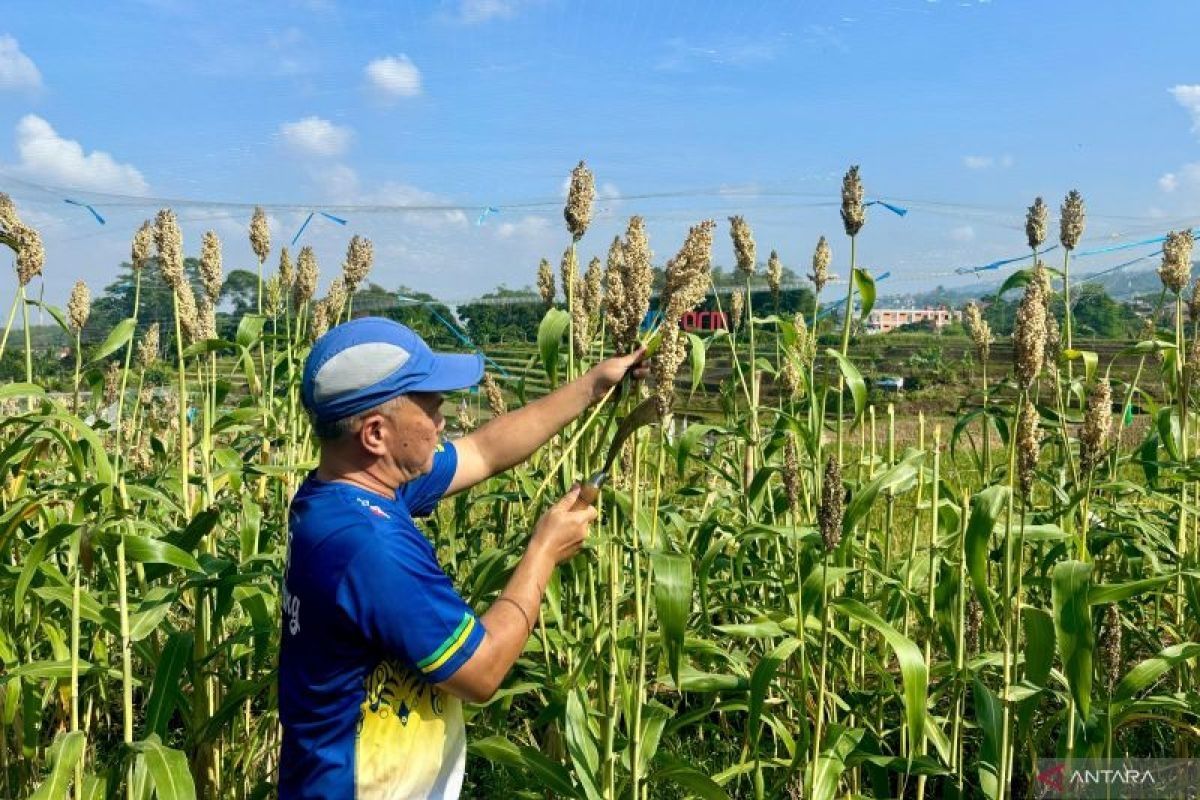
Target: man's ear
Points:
(372, 433)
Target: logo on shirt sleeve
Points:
(374, 509)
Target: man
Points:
(378, 648)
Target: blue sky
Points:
(960, 111)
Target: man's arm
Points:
(510, 439)
(508, 622)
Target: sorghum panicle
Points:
(1037, 219)
(822, 256)
(260, 234)
(1097, 424)
(1072, 220)
(854, 213)
(743, 244)
(79, 306)
(545, 282)
(832, 508)
(578, 211)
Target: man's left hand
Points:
(611, 371)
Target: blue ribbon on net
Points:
(897, 210)
(95, 213)
(309, 219)
(998, 264)
(487, 212)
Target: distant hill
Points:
(1120, 285)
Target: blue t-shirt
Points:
(370, 623)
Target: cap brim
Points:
(452, 371)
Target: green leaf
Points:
(165, 693)
(1039, 644)
(688, 777)
(688, 441)
(249, 330)
(672, 601)
(121, 333)
(1167, 423)
(168, 770)
(1147, 672)
(581, 745)
(986, 508)
(1070, 586)
(156, 551)
(831, 763)
(990, 718)
(866, 287)
(913, 672)
(1116, 592)
(550, 774)
(760, 683)
(1015, 281)
(895, 480)
(697, 354)
(854, 380)
(64, 755)
(550, 335)
(21, 390)
(1090, 360)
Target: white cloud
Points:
(473, 12)
(1188, 96)
(987, 162)
(394, 76)
(342, 186)
(1168, 182)
(525, 227)
(963, 233)
(314, 136)
(17, 70)
(49, 158)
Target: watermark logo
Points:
(1150, 778)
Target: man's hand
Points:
(611, 371)
(561, 531)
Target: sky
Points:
(408, 119)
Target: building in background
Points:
(883, 320)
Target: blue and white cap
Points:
(370, 360)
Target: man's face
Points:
(412, 432)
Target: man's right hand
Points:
(560, 532)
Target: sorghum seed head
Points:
(637, 279)
(614, 292)
(274, 296)
(169, 242)
(307, 275)
(854, 214)
(466, 419)
(688, 273)
(806, 343)
(31, 256)
(1176, 267)
(189, 317)
(980, 331)
(974, 624)
(832, 508)
(1097, 424)
(360, 255)
(1036, 221)
(143, 241)
(822, 256)
(210, 266)
(1029, 334)
(789, 378)
(1194, 302)
(668, 359)
(775, 274)
(148, 347)
(320, 320)
(1029, 440)
(286, 273)
(336, 297)
(737, 305)
(545, 282)
(592, 288)
(791, 472)
(260, 234)
(568, 272)
(79, 306)
(1072, 220)
(1053, 347)
(495, 397)
(112, 382)
(743, 244)
(1110, 645)
(578, 211)
(206, 318)
(580, 320)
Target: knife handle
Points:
(589, 492)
